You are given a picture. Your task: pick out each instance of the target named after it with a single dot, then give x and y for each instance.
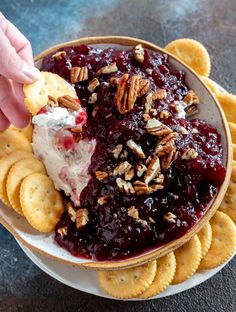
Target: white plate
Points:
(86, 280)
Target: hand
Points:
(16, 68)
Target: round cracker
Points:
(234, 151)
(205, 236)
(130, 283)
(223, 241)
(48, 84)
(193, 53)
(188, 258)
(211, 84)
(5, 164)
(232, 128)
(11, 140)
(41, 203)
(27, 131)
(228, 103)
(165, 272)
(17, 173)
(228, 204)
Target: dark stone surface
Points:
(23, 287)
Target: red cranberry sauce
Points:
(189, 185)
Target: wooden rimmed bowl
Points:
(209, 111)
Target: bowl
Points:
(211, 112)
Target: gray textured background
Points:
(23, 287)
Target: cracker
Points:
(27, 131)
(48, 84)
(234, 151)
(17, 173)
(228, 103)
(228, 204)
(5, 164)
(11, 140)
(129, 283)
(165, 272)
(41, 203)
(205, 236)
(211, 84)
(223, 241)
(193, 53)
(232, 128)
(188, 258)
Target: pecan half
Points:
(93, 84)
(52, 101)
(191, 110)
(169, 158)
(138, 53)
(59, 55)
(78, 74)
(71, 211)
(125, 187)
(160, 94)
(122, 168)
(133, 90)
(69, 102)
(136, 149)
(190, 153)
(140, 188)
(81, 218)
(133, 212)
(170, 138)
(152, 170)
(93, 98)
(112, 68)
(103, 200)
(156, 127)
(101, 175)
(170, 217)
(144, 85)
(63, 231)
(148, 103)
(191, 98)
(117, 150)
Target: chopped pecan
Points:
(151, 220)
(71, 211)
(112, 68)
(144, 85)
(169, 158)
(103, 200)
(191, 110)
(159, 179)
(148, 103)
(81, 218)
(125, 187)
(160, 94)
(101, 175)
(93, 98)
(122, 168)
(191, 98)
(63, 231)
(164, 114)
(164, 150)
(140, 188)
(152, 170)
(93, 84)
(136, 149)
(133, 212)
(129, 175)
(78, 74)
(183, 130)
(76, 129)
(149, 71)
(147, 161)
(156, 127)
(138, 53)
(169, 139)
(52, 101)
(153, 112)
(114, 81)
(195, 131)
(59, 55)
(190, 153)
(170, 217)
(95, 110)
(141, 168)
(117, 150)
(154, 187)
(68, 102)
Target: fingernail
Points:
(31, 72)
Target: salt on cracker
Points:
(188, 258)
(232, 128)
(17, 173)
(165, 272)
(205, 236)
(11, 140)
(228, 204)
(27, 131)
(228, 103)
(41, 203)
(223, 241)
(5, 164)
(129, 283)
(193, 53)
(48, 84)
(211, 84)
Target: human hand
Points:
(16, 68)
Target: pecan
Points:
(160, 94)
(129, 175)
(147, 161)
(152, 112)
(144, 85)
(140, 188)
(170, 217)
(194, 131)
(81, 218)
(95, 110)
(93, 84)
(136, 149)
(125, 187)
(164, 150)
(101, 175)
(103, 200)
(152, 170)
(191, 110)
(149, 71)
(190, 153)
(62, 231)
(169, 158)
(68, 102)
(191, 98)
(141, 168)
(122, 168)
(133, 212)
(151, 220)
(169, 139)
(164, 114)
(52, 102)
(112, 68)
(93, 98)
(183, 130)
(154, 187)
(133, 91)
(138, 53)
(115, 81)
(156, 127)
(148, 103)
(78, 74)
(117, 150)
(71, 211)
(59, 55)
(159, 179)
(76, 129)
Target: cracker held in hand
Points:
(205, 236)
(232, 128)
(228, 103)
(11, 140)
(27, 131)
(193, 53)
(211, 84)
(223, 241)
(188, 258)
(18, 172)
(41, 203)
(48, 84)
(165, 272)
(130, 283)
(5, 164)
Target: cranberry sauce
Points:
(189, 184)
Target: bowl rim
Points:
(163, 250)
